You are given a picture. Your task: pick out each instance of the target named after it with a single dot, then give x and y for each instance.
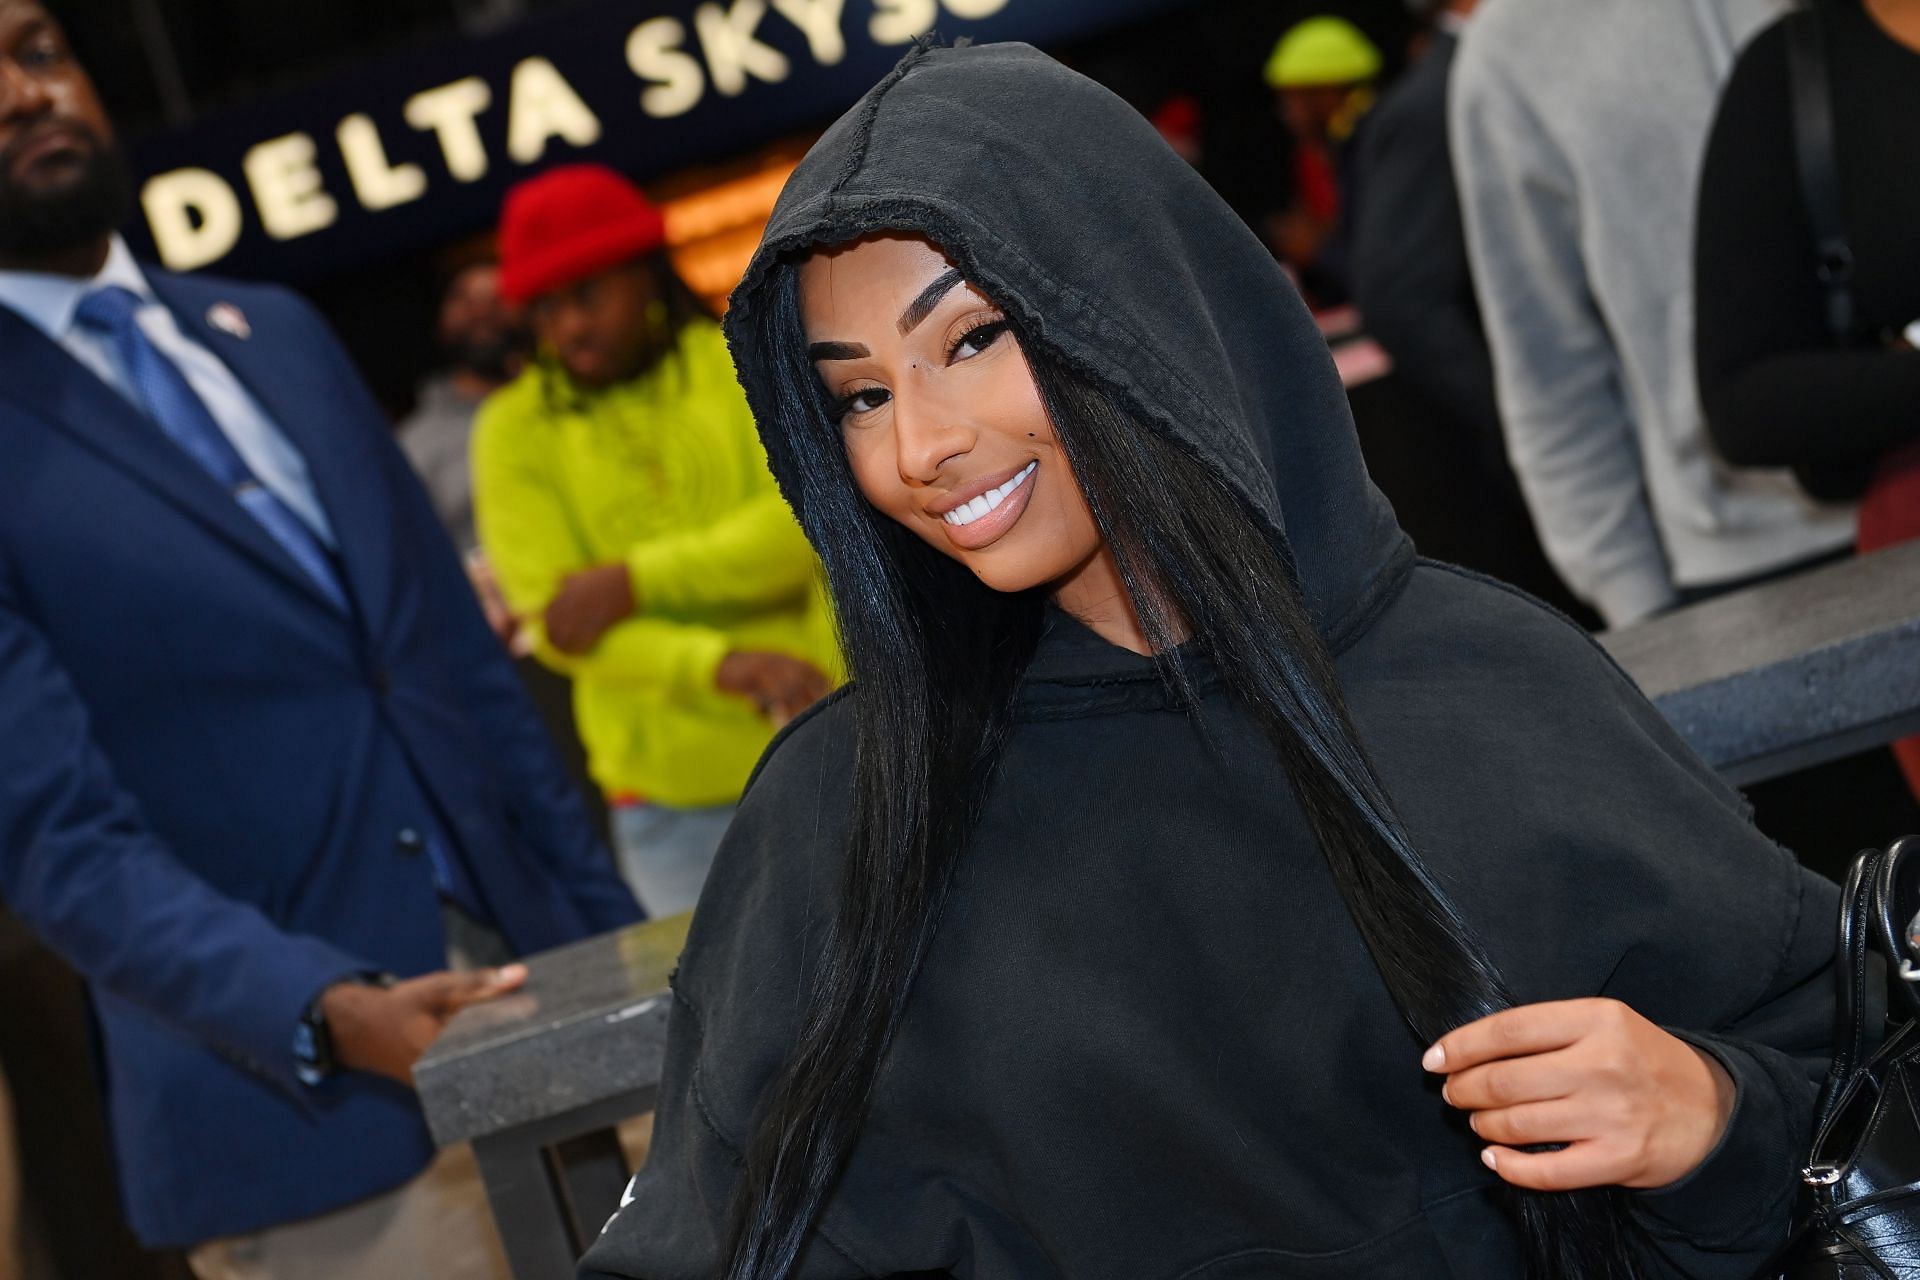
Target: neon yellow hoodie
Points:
(664, 472)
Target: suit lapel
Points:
(303, 395)
(48, 383)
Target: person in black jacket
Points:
(1414, 288)
(1192, 883)
(1410, 273)
(1778, 387)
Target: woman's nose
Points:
(928, 436)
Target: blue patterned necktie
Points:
(171, 402)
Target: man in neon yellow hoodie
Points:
(624, 502)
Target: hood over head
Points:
(1064, 205)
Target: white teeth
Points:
(966, 513)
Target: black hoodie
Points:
(1148, 1041)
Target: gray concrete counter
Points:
(1792, 673)
(536, 1081)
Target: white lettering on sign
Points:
(198, 217)
(675, 81)
(819, 22)
(378, 183)
(902, 21)
(541, 106)
(450, 111)
(194, 215)
(286, 187)
(733, 52)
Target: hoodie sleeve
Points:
(1722, 1219)
(532, 543)
(1558, 378)
(755, 554)
(681, 659)
(1618, 865)
(737, 1001)
(673, 1220)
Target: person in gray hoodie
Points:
(1577, 129)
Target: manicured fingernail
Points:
(1487, 1158)
(1434, 1059)
(510, 973)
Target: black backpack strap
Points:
(1811, 76)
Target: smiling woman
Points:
(1191, 883)
(944, 427)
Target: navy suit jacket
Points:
(205, 767)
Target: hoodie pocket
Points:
(1408, 1252)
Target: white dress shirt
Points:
(48, 302)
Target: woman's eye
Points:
(975, 340)
(865, 400)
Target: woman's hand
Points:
(1634, 1106)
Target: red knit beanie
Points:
(570, 223)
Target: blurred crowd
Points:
(1650, 275)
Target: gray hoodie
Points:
(1578, 128)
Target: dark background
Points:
(238, 58)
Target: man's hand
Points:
(1634, 1106)
(781, 686)
(589, 602)
(385, 1029)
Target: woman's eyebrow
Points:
(921, 307)
(837, 351)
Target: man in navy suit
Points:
(263, 767)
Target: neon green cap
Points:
(1322, 51)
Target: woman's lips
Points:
(986, 529)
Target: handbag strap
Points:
(1853, 1010)
(1896, 894)
(1811, 77)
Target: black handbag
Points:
(1860, 1212)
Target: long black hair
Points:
(936, 657)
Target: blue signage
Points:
(411, 150)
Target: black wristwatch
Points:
(313, 1059)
